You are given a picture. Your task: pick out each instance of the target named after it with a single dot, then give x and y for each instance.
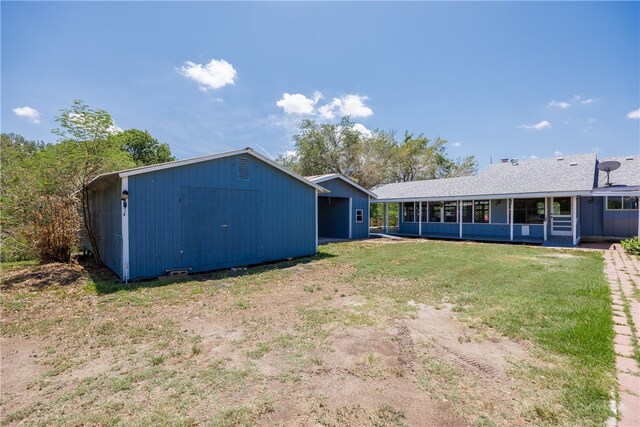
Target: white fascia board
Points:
(177, 163)
(329, 177)
(615, 193)
(484, 197)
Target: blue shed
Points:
(202, 214)
(343, 212)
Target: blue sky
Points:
(495, 79)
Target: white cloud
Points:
(29, 114)
(557, 153)
(533, 157)
(635, 114)
(559, 104)
(347, 105)
(575, 99)
(362, 129)
(456, 144)
(214, 75)
(297, 103)
(538, 126)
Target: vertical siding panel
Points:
(273, 215)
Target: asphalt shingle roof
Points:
(574, 173)
(628, 174)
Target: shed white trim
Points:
(316, 215)
(328, 177)
(125, 230)
(177, 163)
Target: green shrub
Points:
(631, 245)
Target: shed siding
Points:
(596, 220)
(105, 206)
(359, 200)
(177, 217)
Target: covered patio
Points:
(545, 220)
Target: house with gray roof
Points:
(555, 201)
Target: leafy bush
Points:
(632, 245)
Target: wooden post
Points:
(419, 218)
(511, 219)
(574, 221)
(460, 216)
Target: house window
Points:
(467, 211)
(481, 211)
(528, 211)
(409, 212)
(622, 203)
(359, 215)
(450, 211)
(435, 211)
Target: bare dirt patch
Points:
(457, 343)
(18, 369)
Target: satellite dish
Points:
(607, 167)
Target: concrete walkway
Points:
(623, 274)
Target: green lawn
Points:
(556, 299)
(238, 348)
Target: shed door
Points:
(219, 227)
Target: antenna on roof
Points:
(607, 167)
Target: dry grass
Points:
(332, 340)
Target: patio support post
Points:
(511, 219)
(419, 218)
(574, 220)
(460, 216)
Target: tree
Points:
(17, 152)
(371, 158)
(460, 167)
(417, 157)
(86, 150)
(144, 149)
(327, 148)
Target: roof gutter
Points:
(482, 196)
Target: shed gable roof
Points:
(178, 163)
(330, 176)
(568, 174)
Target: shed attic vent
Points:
(243, 168)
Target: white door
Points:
(561, 216)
